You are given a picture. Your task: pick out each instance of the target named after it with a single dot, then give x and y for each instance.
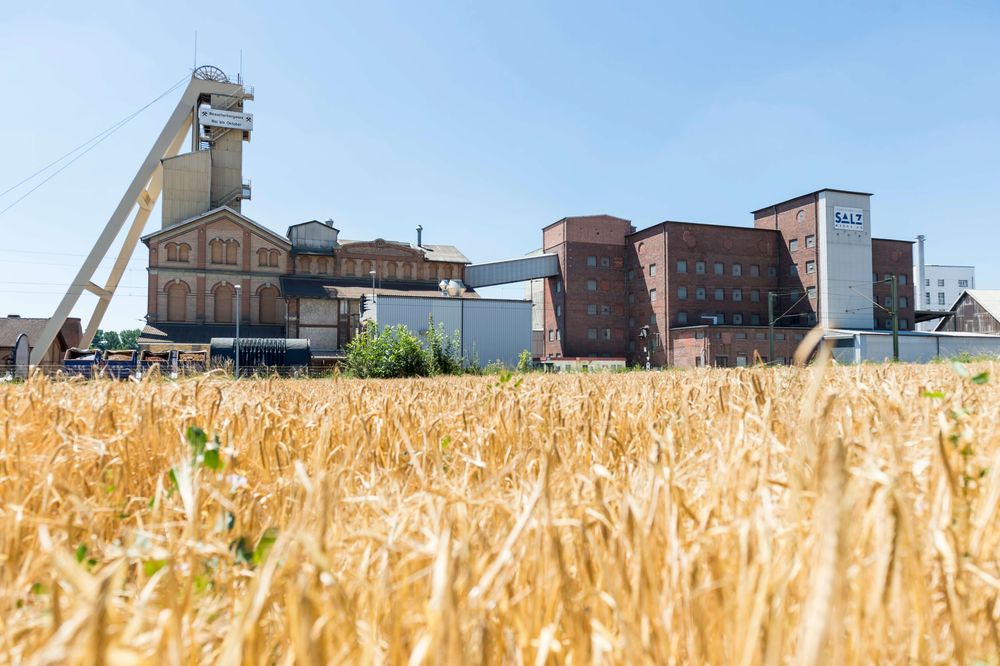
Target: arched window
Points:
(321, 265)
(184, 252)
(349, 267)
(366, 268)
(262, 257)
(216, 247)
(171, 251)
(232, 250)
(407, 272)
(390, 269)
(177, 301)
(268, 303)
(273, 257)
(224, 296)
(303, 264)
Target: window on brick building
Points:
(793, 270)
(887, 301)
(737, 294)
(720, 294)
(811, 293)
(941, 298)
(699, 267)
(631, 346)
(682, 266)
(591, 262)
(591, 333)
(558, 286)
(793, 244)
(605, 310)
(605, 262)
(737, 270)
(631, 299)
(652, 270)
(552, 335)
(754, 270)
(902, 279)
(558, 310)
(720, 269)
(760, 336)
(779, 336)
(652, 295)
(699, 293)
(558, 335)
(682, 317)
(592, 308)
(631, 274)
(904, 302)
(755, 320)
(741, 336)
(722, 361)
(903, 324)
(755, 295)
(682, 293)
(652, 319)
(737, 319)
(772, 271)
(591, 285)
(741, 361)
(810, 241)
(606, 333)
(631, 322)
(810, 266)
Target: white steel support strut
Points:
(143, 191)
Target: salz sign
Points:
(852, 219)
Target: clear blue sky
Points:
(486, 121)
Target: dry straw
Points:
(762, 516)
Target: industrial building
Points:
(974, 311)
(13, 327)
(688, 294)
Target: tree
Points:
(127, 339)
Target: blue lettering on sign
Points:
(849, 218)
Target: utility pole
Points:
(770, 325)
(895, 319)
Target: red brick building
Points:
(689, 294)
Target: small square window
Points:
(810, 266)
(606, 333)
(779, 336)
(699, 293)
(963, 283)
(652, 295)
(591, 333)
(682, 293)
(811, 293)
(903, 324)
(737, 270)
(631, 299)
(941, 298)
(772, 271)
(887, 301)
(682, 266)
(754, 270)
(810, 241)
(605, 310)
(552, 335)
(741, 361)
(741, 336)
(652, 319)
(720, 294)
(699, 267)
(682, 317)
(558, 310)
(558, 286)
(927, 282)
(760, 336)
(755, 320)
(737, 319)
(592, 308)
(631, 322)
(793, 245)
(699, 335)
(605, 262)
(902, 279)
(793, 270)
(652, 270)
(591, 285)
(631, 274)
(737, 294)
(904, 302)
(720, 269)
(755, 295)
(592, 262)
(940, 283)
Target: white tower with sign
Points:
(845, 259)
(211, 175)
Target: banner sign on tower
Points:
(852, 219)
(229, 119)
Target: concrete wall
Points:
(186, 187)
(845, 264)
(490, 330)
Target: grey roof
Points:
(203, 333)
(352, 287)
(11, 327)
(988, 298)
(442, 253)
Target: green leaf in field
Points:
(935, 395)
(150, 567)
(445, 442)
(202, 583)
(39, 588)
(959, 369)
(197, 438)
(173, 480)
(81, 552)
(264, 544)
(212, 459)
(981, 378)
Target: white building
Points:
(942, 285)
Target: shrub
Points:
(445, 353)
(392, 352)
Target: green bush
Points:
(445, 353)
(392, 352)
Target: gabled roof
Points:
(12, 327)
(302, 224)
(221, 209)
(989, 299)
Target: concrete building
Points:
(13, 326)
(942, 287)
(974, 311)
(683, 293)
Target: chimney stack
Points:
(921, 273)
(420, 230)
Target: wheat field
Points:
(842, 515)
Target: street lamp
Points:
(236, 342)
(372, 273)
